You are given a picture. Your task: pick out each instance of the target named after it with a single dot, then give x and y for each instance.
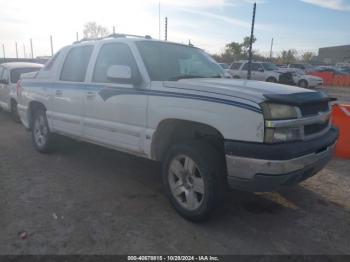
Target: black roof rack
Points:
(112, 36)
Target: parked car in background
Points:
(305, 67)
(329, 69)
(262, 71)
(345, 69)
(10, 73)
(306, 81)
(344, 64)
(224, 65)
(281, 65)
(226, 68)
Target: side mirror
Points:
(120, 74)
(4, 81)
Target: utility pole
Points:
(3, 51)
(159, 20)
(251, 45)
(113, 30)
(51, 45)
(24, 51)
(271, 49)
(31, 48)
(166, 29)
(16, 51)
(77, 36)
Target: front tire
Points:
(193, 178)
(303, 84)
(271, 80)
(41, 136)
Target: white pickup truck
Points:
(171, 103)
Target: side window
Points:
(245, 67)
(256, 67)
(16, 73)
(6, 75)
(76, 63)
(50, 63)
(113, 54)
(236, 66)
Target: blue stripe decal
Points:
(108, 92)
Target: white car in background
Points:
(10, 73)
(306, 81)
(261, 71)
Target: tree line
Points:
(240, 51)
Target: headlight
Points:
(278, 111)
(285, 134)
(273, 112)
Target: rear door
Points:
(115, 113)
(68, 92)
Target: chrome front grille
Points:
(320, 110)
(314, 108)
(315, 128)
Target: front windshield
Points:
(270, 67)
(172, 62)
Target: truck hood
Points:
(255, 91)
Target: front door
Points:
(115, 113)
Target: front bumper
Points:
(262, 168)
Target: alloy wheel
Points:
(186, 182)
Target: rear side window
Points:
(16, 73)
(76, 63)
(6, 75)
(113, 54)
(236, 66)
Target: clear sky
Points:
(304, 25)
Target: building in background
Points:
(334, 54)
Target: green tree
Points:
(235, 51)
(307, 57)
(245, 46)
(93, 30)
(287, 56)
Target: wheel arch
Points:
(173, 130)
(32, 107)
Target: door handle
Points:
(90, 95)
(59, 93)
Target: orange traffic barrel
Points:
(341, 119)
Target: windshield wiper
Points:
(176, 78)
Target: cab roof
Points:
(125, 38)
